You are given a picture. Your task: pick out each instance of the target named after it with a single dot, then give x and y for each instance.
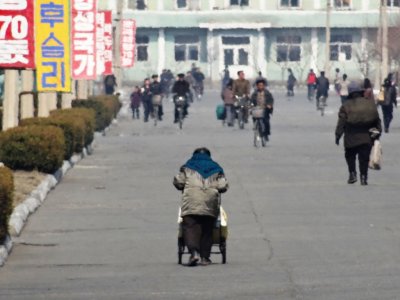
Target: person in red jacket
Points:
(311, 81)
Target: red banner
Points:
(128, 43)
(84, 39)
(17, 48)
(104, 42)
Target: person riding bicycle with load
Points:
(263, 99)
(156, 90)
(241, 88)
(322, 87)
(181, 88)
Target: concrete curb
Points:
(21, 212)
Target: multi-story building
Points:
(256, 35)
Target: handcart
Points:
(220, 235)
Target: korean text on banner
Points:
(84, 39)
(52, 45)
(16, 34)
(128, 41)
(104, 42)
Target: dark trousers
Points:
(197, 233)
(109, 89)
(135, 112)
(387, 111)
(148, 109)
(363, 152)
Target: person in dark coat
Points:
(136, 100)
(147, 99)
(322, 87)
(389, 102)
(291, 82)
(356, 117)
(263, 98)
(181, 88)
(110, 82)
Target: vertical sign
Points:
(104, 42)
(52, 42)
(84, 39)
(16, 34)
(128, 41)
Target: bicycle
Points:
(180, 103)
(157, 100)
(259, 127)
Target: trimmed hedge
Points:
(33, 148)
(6, 200)
(87, 115)
(66, 126)
(98, 107)
(105, 106)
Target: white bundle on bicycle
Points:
(375, 160)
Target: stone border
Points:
(21, 212)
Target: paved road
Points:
(297, 230)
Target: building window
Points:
(236, 50)
(137, 4)
(393, 3)
(239, 2)
(290, 3)
(342, 4)
(181, 4)
(288, 48)
(142, 43)
(341, 47)
(187, 47)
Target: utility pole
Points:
(385, 50)
(328, 38)
(117, 44)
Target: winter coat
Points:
(291, 81)
(322, 86)
(156, 88)
(311, 78)
(267, 101)
(200, 196)
(241, 87)
(390, 96)
(228, 97)
(136, 99)
(357, 134)
(181, 88)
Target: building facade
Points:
(256, 35)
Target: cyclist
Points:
(263, 98)
(181, 88)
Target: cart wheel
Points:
(181, 250)
(222, 248)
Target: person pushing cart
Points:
(201, 181)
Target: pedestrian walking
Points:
(390, 100)
(201, 181)
(337, 81)
(311, 82)
(147, 99)
(322, 87)
(110, 82)
(291, 82)
(136, 100)
(357, 116)
(229, 99)
(343, 88)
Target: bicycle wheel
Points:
(257, 136)
(261, 131)
(241, 119)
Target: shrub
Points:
(66, 126)
(33, 148)
(85, 114)
(98, 107)
(6, 200)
